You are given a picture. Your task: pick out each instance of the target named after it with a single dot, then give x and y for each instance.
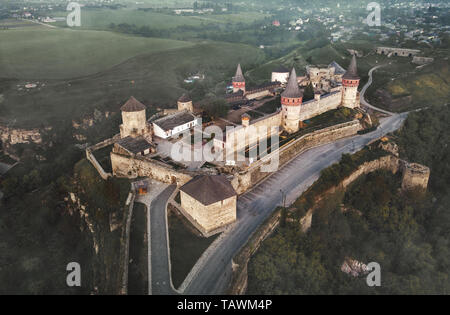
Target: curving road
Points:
(159, 271)
(212, 272)
(364, 89)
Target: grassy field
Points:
(185, 247)
(138, 269)
(102, 18)
(398, 86)
(154, 77)
(402, 86)
(429, 88)
(103, 157)
(45, 53)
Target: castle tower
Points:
(350, 83)
(238, 80)
(134, 121)
(415, 176)
(185, 103)
(291, 101)
(245, 120)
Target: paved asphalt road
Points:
(364, 89)
(213, 273)
(159, 267)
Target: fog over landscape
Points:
(352, 100)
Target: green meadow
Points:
(102, 18)
(53, 53)
(101, 70)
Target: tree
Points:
(308, 94)
(217, 108)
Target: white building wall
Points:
(280, 77)
(159, 132)
(178, 129)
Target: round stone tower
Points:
(291, 101)
(238, 80)
(185, 103)
(134, 121)
(350, 83)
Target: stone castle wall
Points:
(390, 162)
(133, 167)
(11, 136)
(91, 158)
(414, 176)
(326, 103)
(257, 94)
(239, 278)
(403, 52)
(250, 134)
(422, 60)
(245, 180)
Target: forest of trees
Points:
(407, 233)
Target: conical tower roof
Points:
(292, 89)
(184, 98)
(352, 72)
(239, 77)
(132, 105)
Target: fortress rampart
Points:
(91, 158)
(133, 167)
(319, 106)
(402, 52)
(255, 173)
(414, 175)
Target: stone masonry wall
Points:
(245, 180)
(91, 158)
(250, 134)
(316, 107)
(240, 261)
(133, 167)
(10, 136)
(210, 217)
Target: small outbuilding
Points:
(174, 124)
(280, 74)
(133, 146)
(210, 202)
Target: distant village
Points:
(424, 26)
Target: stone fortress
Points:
(404, 52)
(142, 149)
(293, 110)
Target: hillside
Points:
(44, 53)
(154, 77)
(372, 221)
